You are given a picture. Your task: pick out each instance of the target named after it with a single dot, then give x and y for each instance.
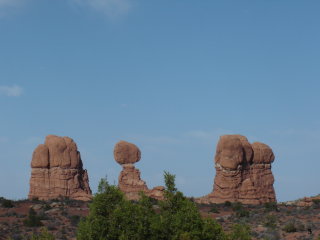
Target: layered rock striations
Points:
(130, 182)
(243, 172)
(57, 171)
(261, 173)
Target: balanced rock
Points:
(130, 182)
(243, 172)
(57, 171)
(125, 153)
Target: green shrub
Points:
(74, 219)
(240, 232)
(242, 213)
(52, 227)
(271, 206)
(239, 210)
(6, 203)
(227, 204)
(43, 235)
(47, 207)
(236, 206)
(316, 201)
(185, 236)
(290, 227)
(270, 221)
(300, 226)
(214, 209)
(33, 220)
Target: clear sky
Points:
(169, 76)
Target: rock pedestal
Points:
(243, 172)
(130, 182)
(57, 171)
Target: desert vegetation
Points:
(176, 217)
(110, 215)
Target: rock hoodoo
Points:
(130, 182)
(57, 171)
(243, 172)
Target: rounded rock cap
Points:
(126, 153)
(262, 153)
(230, 151)
(40, 157)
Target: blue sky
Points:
(169, 76)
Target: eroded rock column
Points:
(243, 172)
(130, 182)
(56, 171)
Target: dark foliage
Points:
(113, 217)
(240, 210)
(33, 220)
(271, 206)
(6, 203)
(290, 227)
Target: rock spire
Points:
(243, 172)
(130, 182)
(57, 171)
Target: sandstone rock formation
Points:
(305, 202)
(126, 153)
(130, 182)
(57, 171)
(243, 172)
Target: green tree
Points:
(43, 235)
(180, 219)
(96, 225)
(132, 221)
(240, 232)
(112, 217)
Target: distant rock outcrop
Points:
(57, 171)
(243, 172)
(130, 182)
(305, 202)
